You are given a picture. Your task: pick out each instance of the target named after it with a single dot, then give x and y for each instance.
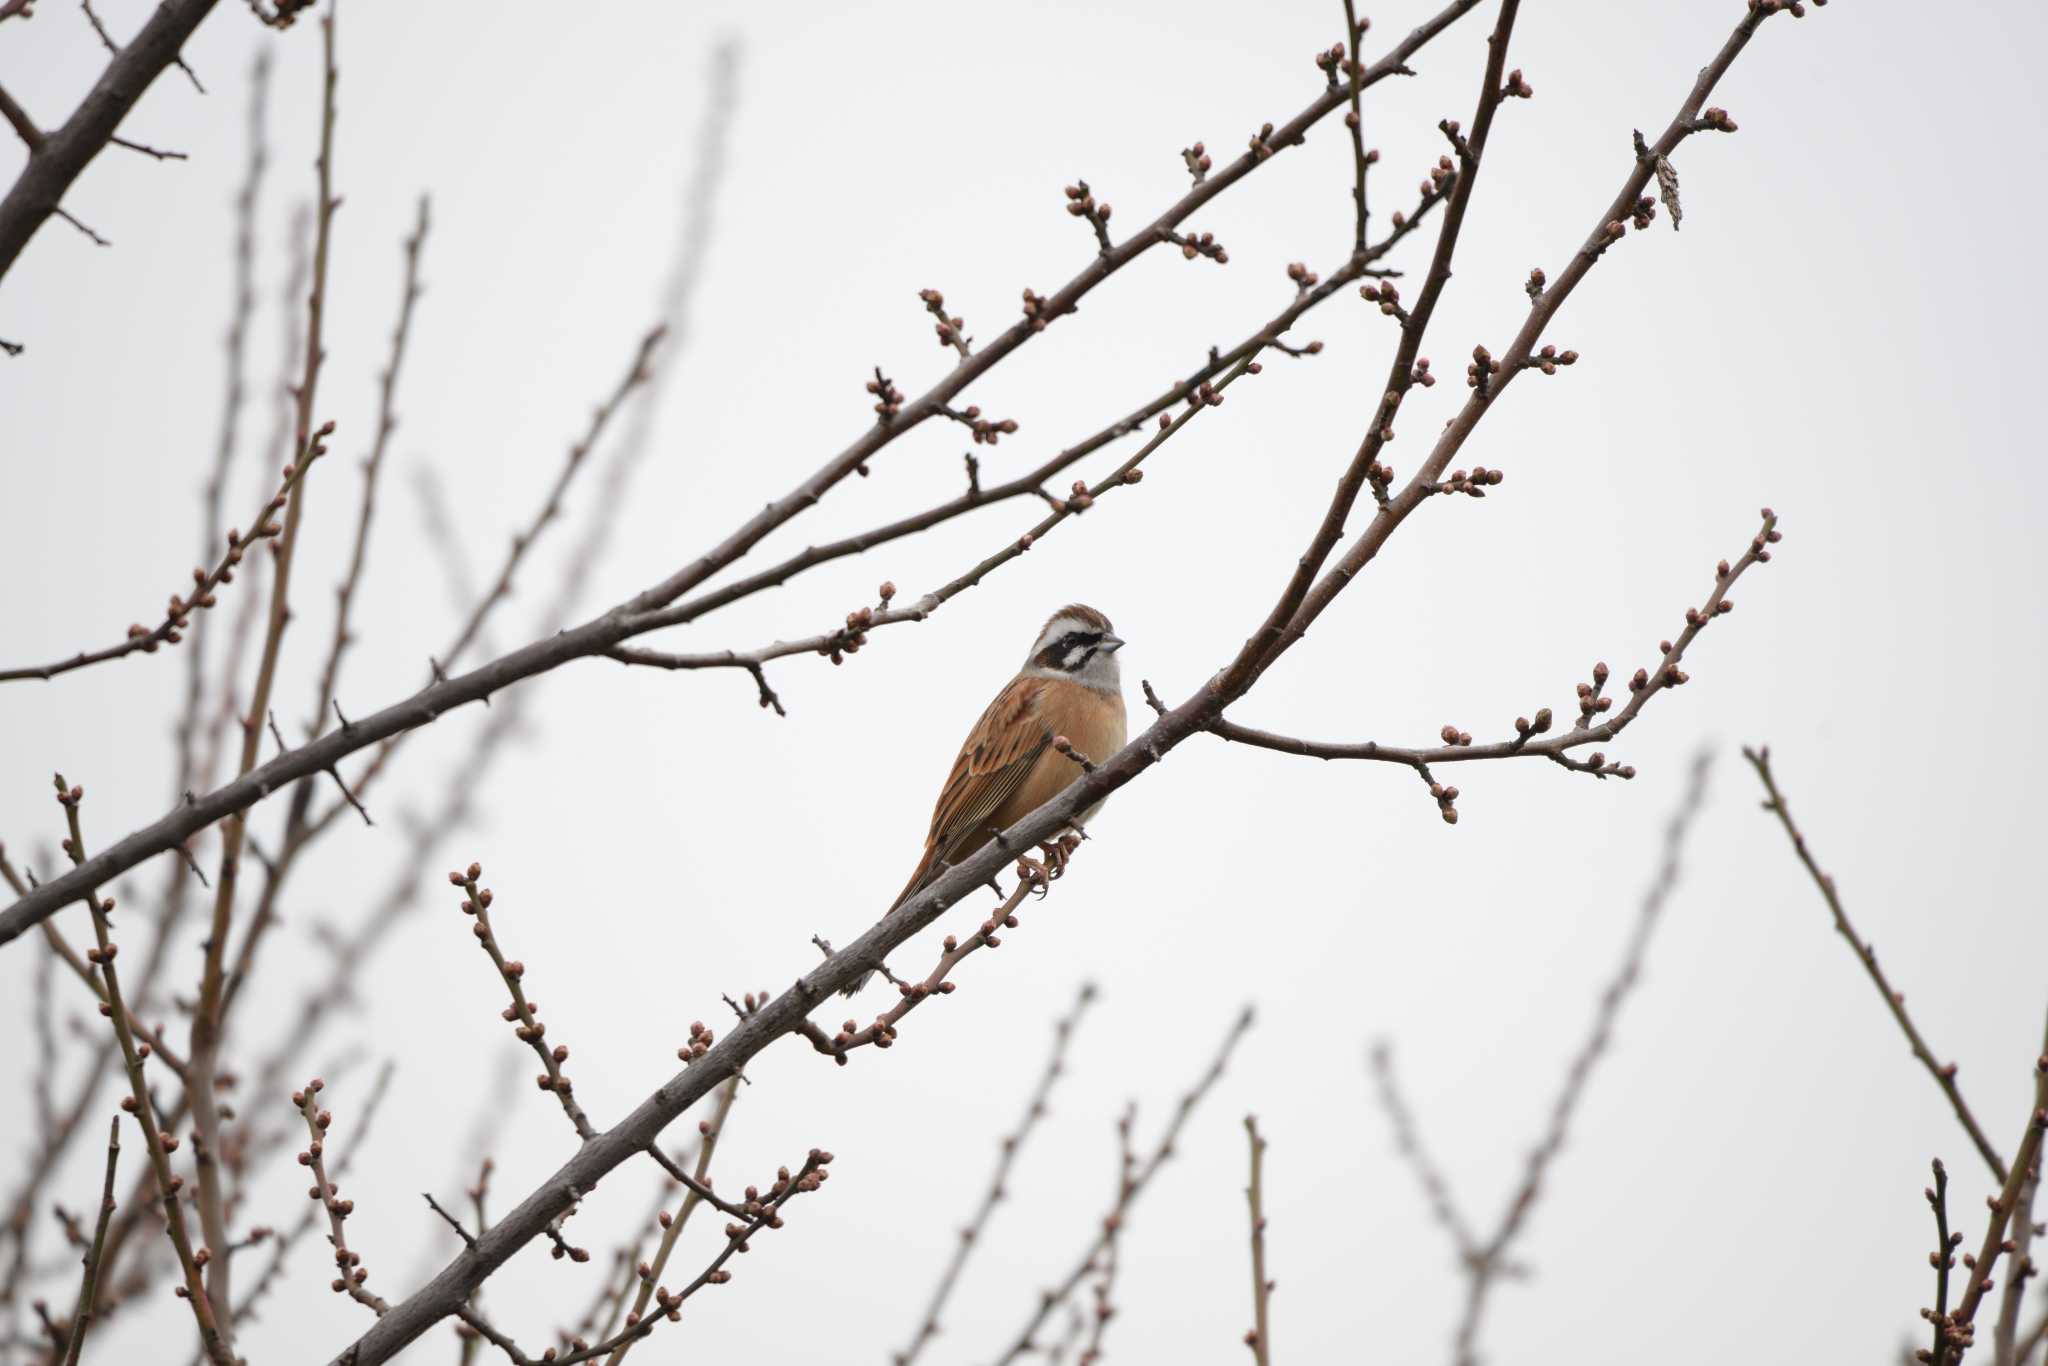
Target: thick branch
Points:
(63, 153)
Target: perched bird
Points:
(1008, 767)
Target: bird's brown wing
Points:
(999, 753)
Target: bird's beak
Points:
(1111, 644)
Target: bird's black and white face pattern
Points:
(1077, 644)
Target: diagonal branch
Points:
(1944, 1074)
(1028, 484)
(62, 154)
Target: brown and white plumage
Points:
(1008, 768)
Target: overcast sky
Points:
(1846, 329)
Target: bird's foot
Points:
(1056, 853)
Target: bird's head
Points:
(1077, 644)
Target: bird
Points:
(1067, 688)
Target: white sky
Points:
(1845, 330)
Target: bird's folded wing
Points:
(1005, 744)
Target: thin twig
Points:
(387, 423)
(348, 1264)
(672, 1226)
(477, 904)
(282, 1244)
(1109, 1262)
(1127, 1197)
(971, 1234)
(207, 1021)
(2005, 1333)
(1960, 1332)
(81, 1317)
(1259, 1339)
(157, 1142)
(179, 614)
(1486, 1261)
(859, 624)
(1943, 1257)
(1459, 748)
(1944, 1074)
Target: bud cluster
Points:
(888, 398)
(1081, 203)
(951, 331)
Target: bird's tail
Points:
(918, 877)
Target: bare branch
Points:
(1944, 1074)
(1128, 1191)
(349, 1265)
(1959, 1332)
(971, 1234)
(158, 1142)
(180, 612)
(1259, 1339)
(601, 633)
(1458, 746)
(387, 422)
(81, 1317)
(57, 159)
(477, 904)
(1486, 1261)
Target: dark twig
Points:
(1943, 1258)
(1959, 1333)
(81, 1317)
(468, 1238)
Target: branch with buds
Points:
(178, 612)
(1458, 746)
(523, 1015)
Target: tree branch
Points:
(601, 633)
(61, 155)
(1944, 1074)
